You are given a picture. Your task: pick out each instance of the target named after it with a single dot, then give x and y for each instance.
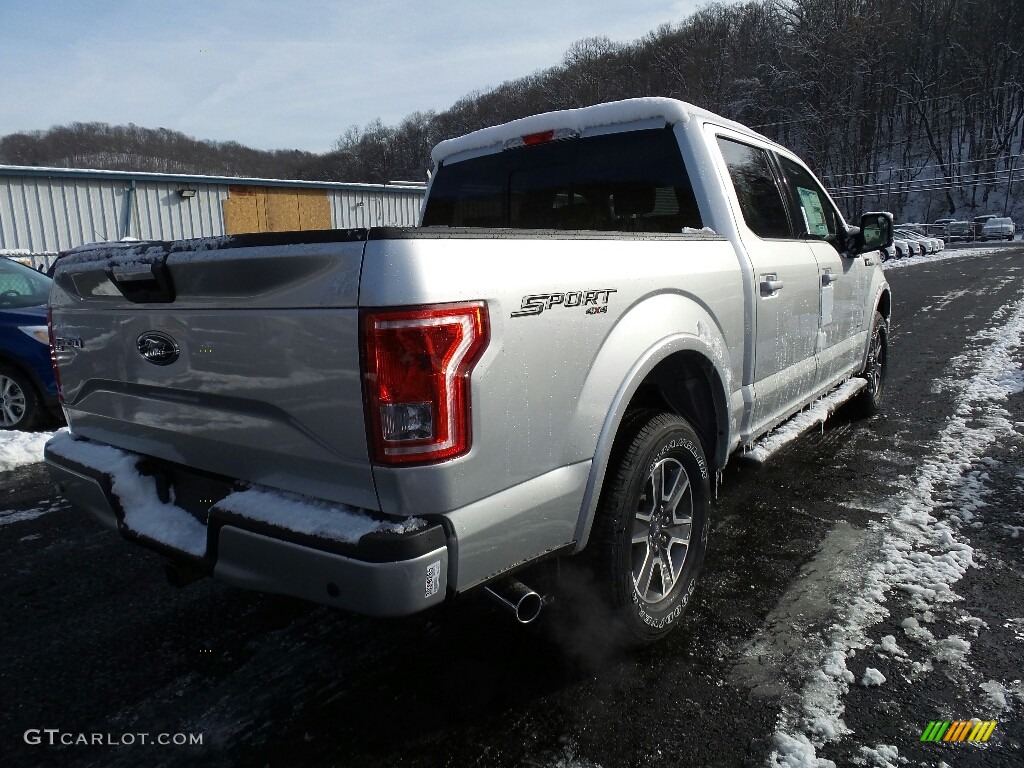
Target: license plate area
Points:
(195, 492)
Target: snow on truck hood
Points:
(583, 119)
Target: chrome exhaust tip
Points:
(523, 602)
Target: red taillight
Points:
(417, 364)
(53, 354)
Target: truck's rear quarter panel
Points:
(542, 390)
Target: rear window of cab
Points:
(633, 181)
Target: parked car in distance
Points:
(929, 245)
(28, 392)
(914, 246)
(979, 222)
(998, 228)
(902, 248)
(938, 227)
(958, 231)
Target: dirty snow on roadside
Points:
(11, 516)
(916, 553)
(20, 448)
(955, 253)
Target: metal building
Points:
(47, 210)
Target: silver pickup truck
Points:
(599, 308)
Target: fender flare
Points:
(638, 372)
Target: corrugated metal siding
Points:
(160, 213)
(43, 214)
(391, 208)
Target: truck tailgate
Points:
(239, 356)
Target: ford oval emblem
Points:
(157, 348)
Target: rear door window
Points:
(757, 189)
(633, 181)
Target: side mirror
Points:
(875, 233)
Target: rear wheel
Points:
(652, 526)
(19, 403)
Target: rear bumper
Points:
(381, 574)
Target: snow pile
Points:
(920, 554)
(995, 697)
(916, 632)
(169, 524)
(816, 414)
(882, 756)
(888, 645)
(796, 751)
(20, 448)
(953, 651)
(872, 677)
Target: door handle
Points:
(827, 278)
(771, 285)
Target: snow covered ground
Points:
(20, 448)
(919, 553)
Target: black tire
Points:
(19, 401)
(647, 583)
(869, 400)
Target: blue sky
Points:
(283, 74)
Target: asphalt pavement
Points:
(805, 590)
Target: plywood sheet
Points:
(282, 210)
(265, 209)
(314, 209)
(240, 215)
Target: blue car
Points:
(28, 392)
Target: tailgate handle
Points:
(143, 283)
(133, 272)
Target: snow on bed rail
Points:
(169, 524)
(134, 253)
(818, 413)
